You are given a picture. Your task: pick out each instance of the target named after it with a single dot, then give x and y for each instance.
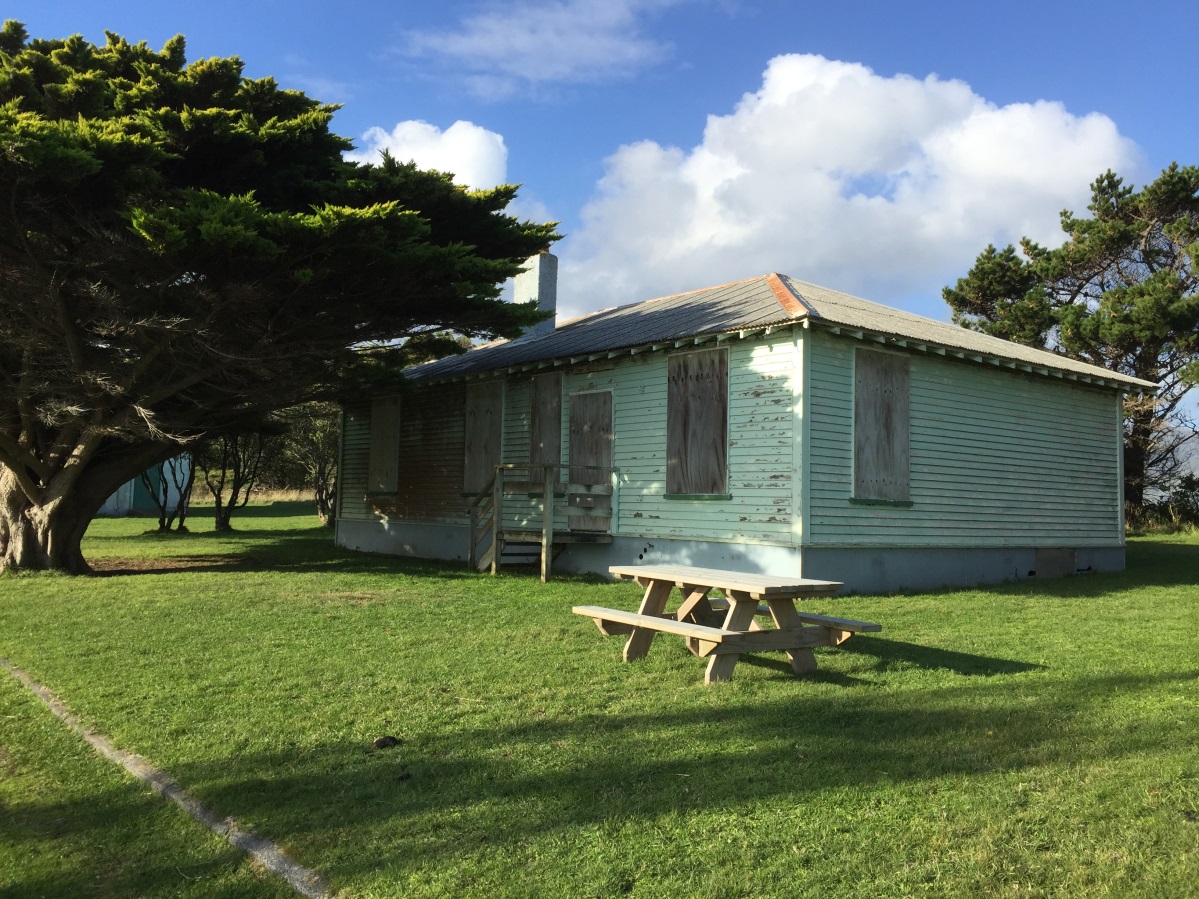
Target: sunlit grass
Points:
(1030, 739)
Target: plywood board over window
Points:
(590, 503)
(432, 450)
(882, 383)
(697, 423)
(382, 473)
(545, 420)
(484, 420)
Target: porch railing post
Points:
(548, 478)
(497, 499)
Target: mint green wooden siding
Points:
(997, 458)
(355, 458)
(760, 456)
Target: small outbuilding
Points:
(767, 425)
(134, 497)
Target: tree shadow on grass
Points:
(445, 793)
(267, 551)
(110, 838)
(892, 654)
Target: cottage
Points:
(767, 425)
(134, 497)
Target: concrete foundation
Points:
(861, 569)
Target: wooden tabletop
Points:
(757, 585)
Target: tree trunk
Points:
(41, 537)
(46, 535)
(1134, 477)
(1138, 438)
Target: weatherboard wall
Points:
(758, 507)
(355, 458)
(998, 458)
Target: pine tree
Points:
(183, 250)
(1122, 293)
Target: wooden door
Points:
(484, 417)
(545, 422)
(590, 489)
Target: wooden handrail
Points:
(490, 499)
(478, 512)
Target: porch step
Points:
(520, 552)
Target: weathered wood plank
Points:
(740, 616)
(604, 489)
(652, 604)
(590, 449)
(759, 585)
(547, 523)
(383, 465)
(431, 455)
(792, 640)
(587, 515)
(697, 416)
(803, 660)
(882, 385)
(483, 415)
(844, 624)
(666, 625)
(545, 422)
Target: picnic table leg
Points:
(696, 608)
(653, 603)
(742, 609)
(803, 661)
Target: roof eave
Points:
(1099, 378)
(615, 352)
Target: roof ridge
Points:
(793, 304)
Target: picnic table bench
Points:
(721, 629)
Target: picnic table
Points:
(722, 629)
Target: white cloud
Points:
(884, 187)
(476, 156)
(538, 43)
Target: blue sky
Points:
(872, 147)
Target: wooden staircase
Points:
(492, 546)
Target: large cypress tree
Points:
(1122, 293)
(183, 250)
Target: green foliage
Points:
(307, 454)
(185, 250)
(1176, 511)
(1122, 293)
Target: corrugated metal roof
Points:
(742, 306)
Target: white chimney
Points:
(538, 283)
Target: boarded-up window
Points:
(432, 452)
(484, 430)
(590, 461)
(382, 471)
(880, 426)
(697, 423)
(545, 420)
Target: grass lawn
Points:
(1031, 739)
